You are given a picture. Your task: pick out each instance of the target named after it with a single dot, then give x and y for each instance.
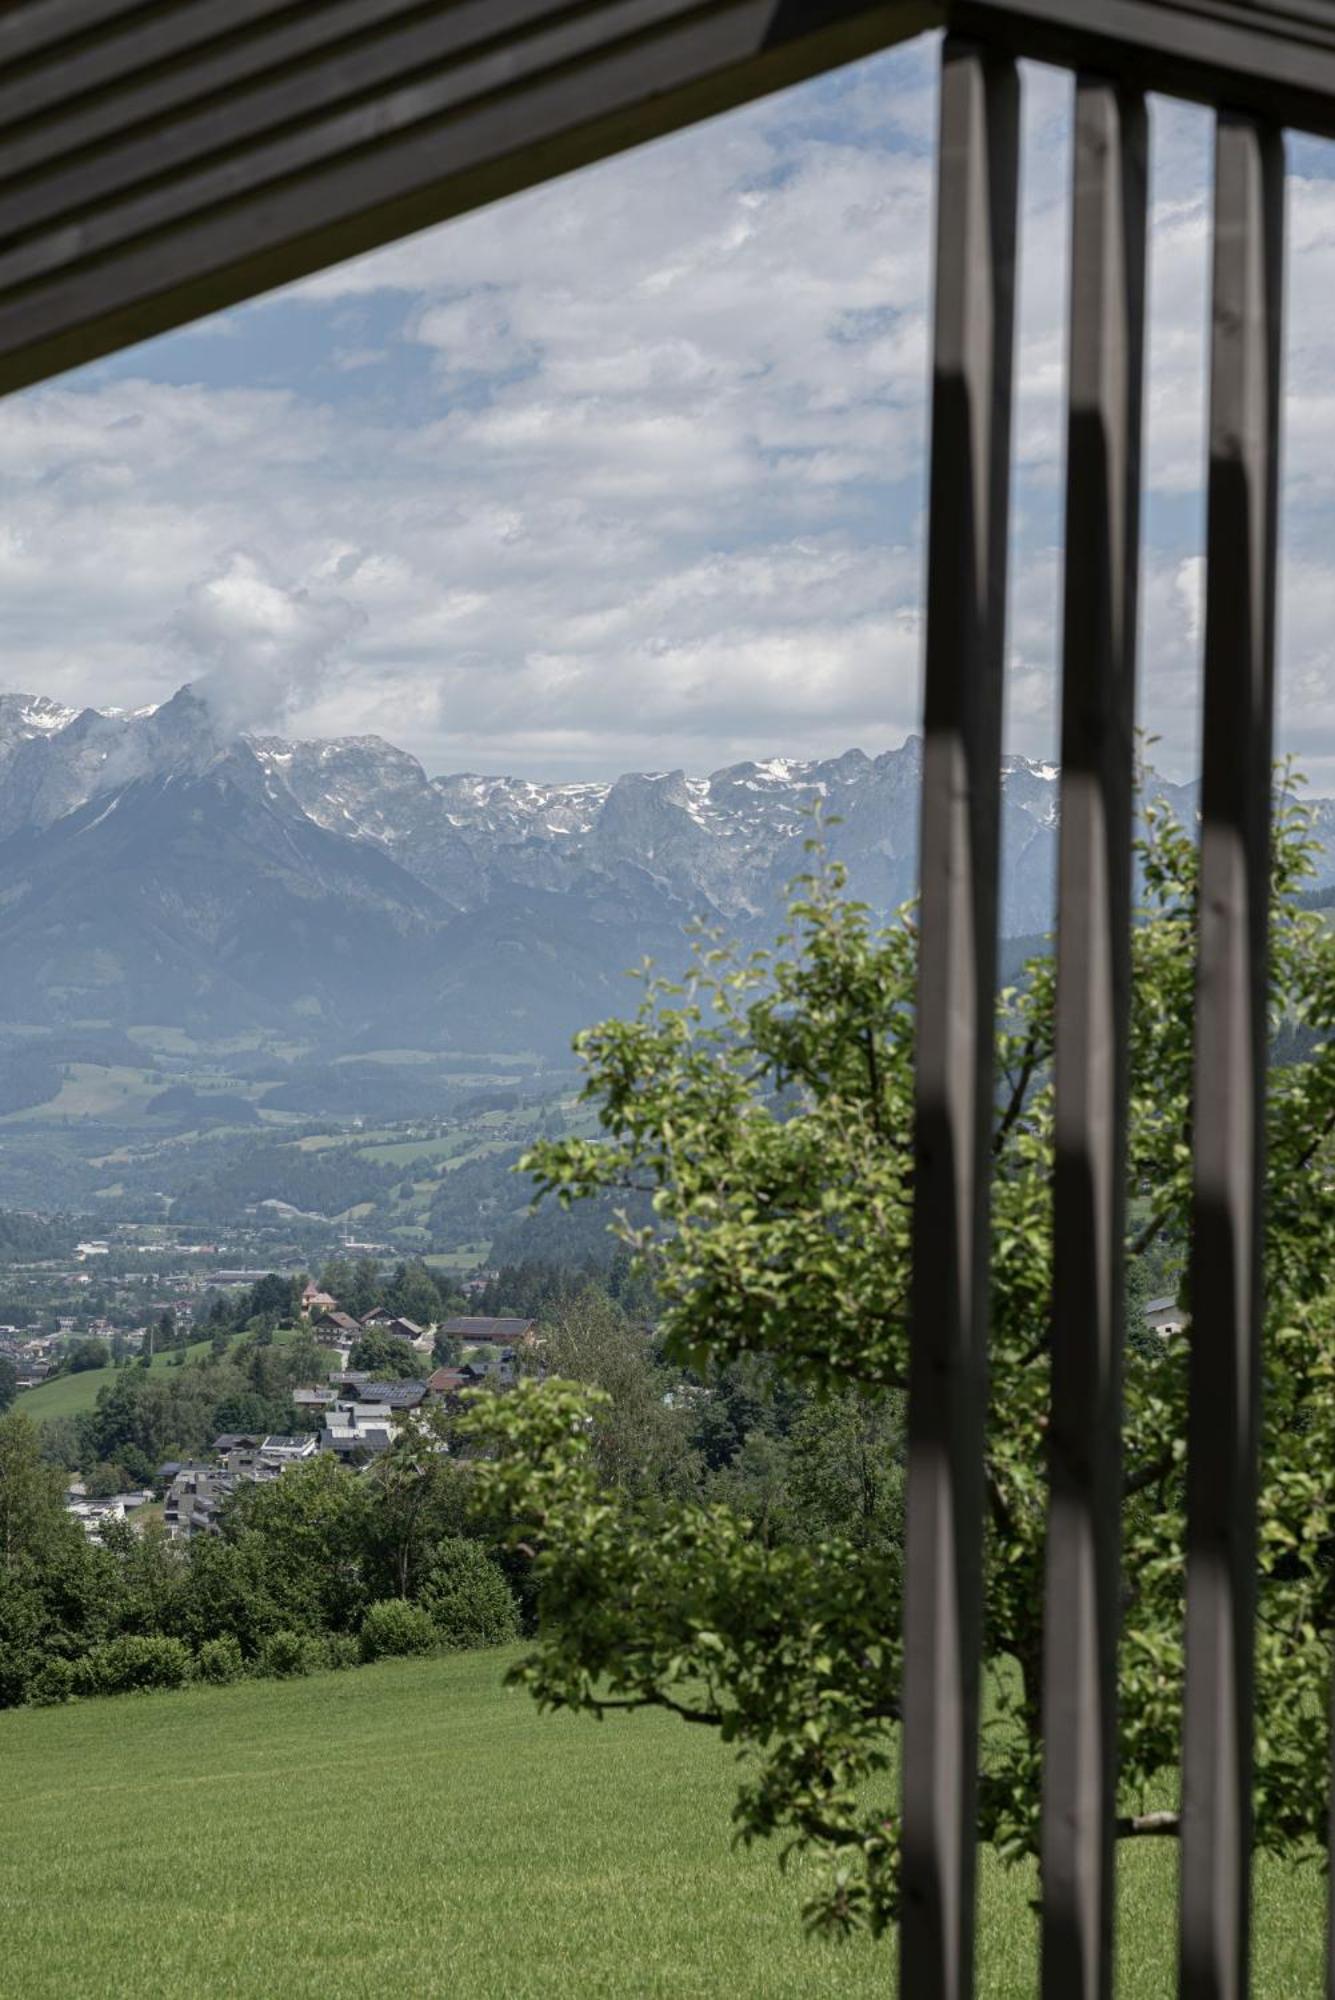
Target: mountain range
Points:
(156, 869)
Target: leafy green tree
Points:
(311, 1524)
(86, 1355)
(33, 1523)
(364, 1289)
(765, 1105)
(393, 1628)
(272, 1297)
(467, 1597)
(9, 1382)
(413, 1292)
(338, 1278)
(641, 1434)
(102, 1479)
(385, 1356)
(62, 1442)
(416, 1495)
(226, 1592)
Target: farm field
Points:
(414, 1828)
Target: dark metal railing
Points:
(160, 160)
(966, 621)
(971, 396)
(1229, 1096)
(1107, 339)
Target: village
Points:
(350, 1414)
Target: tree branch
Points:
(1019, 1091)
(874, 1081)
(712, 1718)
(1149, 1475)
(1139, 1244)
(1001, 1513)
(1322, 1135)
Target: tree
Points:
(413, 1293)
(384, 1355)
(641, 1437)
(311, 1526)
(272, 1298)
(416, 1496)
(363, 1289)
(467, 1597)
(88, 1354)
(33, 1521)
(764, 1104)
(9, 1382)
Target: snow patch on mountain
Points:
(723, 845)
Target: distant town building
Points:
(500, 1331)
(1164, 1316)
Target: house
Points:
(357, 1389)
(402, 1329)
(333, 1328)
(93, 1515)
(399, 1397)
(313, 1300)
(313, 1399)
(289, 1450)
(447, 1382)
(346, 1382)
(355, 1429)
(496, 1364)
(194, 1498)
(1164, 1316)
(498, 1332)
(196, 1493)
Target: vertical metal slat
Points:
(1330, 1850)
(1230, 1060)
(1093, 983)
(966, 592)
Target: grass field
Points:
(93, 1090)
(72, 1395)
(411, 1828)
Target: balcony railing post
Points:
(1093, 986)
(966, 593)
(1230, 1060)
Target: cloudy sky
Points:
(628, 472)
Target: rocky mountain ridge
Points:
(150, 860)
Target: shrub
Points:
(341, 1649)
(393, 1627)
(285, 1654)
(220, 1660)
(467, 1598)
(52, 1683)
(138, 1661)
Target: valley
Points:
(269, 1154)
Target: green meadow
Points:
(413, 1828)
(74, 1395)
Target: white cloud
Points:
(629, 470)
(265, 647)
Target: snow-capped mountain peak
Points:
(723, 844)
